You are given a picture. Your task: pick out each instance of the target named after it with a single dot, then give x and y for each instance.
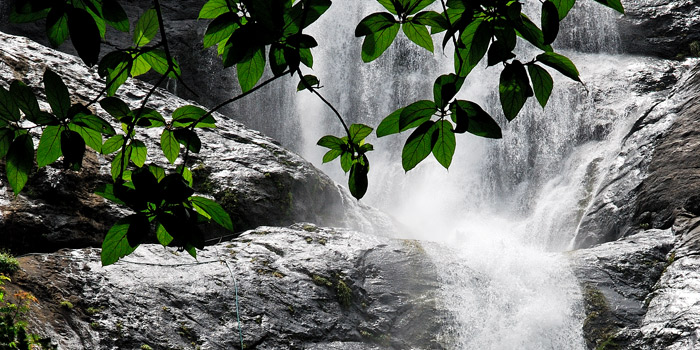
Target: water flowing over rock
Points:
(256, 180)
(301, 287)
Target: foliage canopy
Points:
(251, 35)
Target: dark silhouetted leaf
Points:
(73, 149)
(470, 117)
(6, 137)
(550, 22)
(613, 4)
(92, 138)
(220, 29)
(542, 83)
(189, 139)
(563, 7)
(357, 182)
(310, 80)
(115, 15)
(56, 94)
(57, 25)
(514, 89)
(9, 110)
(25, 99)
(374, 23)
(85, 35)
(20, 158)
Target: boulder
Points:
(301, 287)
(255, 179)
(664, 28)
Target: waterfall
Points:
(505, 207)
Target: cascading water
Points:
(505, 206)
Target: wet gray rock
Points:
(664, 28)
(617, 279)
(256, 180)
(302, 287)
(653, 174)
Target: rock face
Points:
(301, 287)
(256, 180)
(665, 28)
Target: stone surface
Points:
(256, 180)
(665, 28)
(302, 287)
(651, 175)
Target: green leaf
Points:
(433, 19)
(550, 22)
(120, 162)
(308, 80)
(375, 44)
(49, 149)
(113, 144)
(514, 89)
(220, 29)
(390, 124)
(146, 28)
(56, 94)
(613, 4)
(57, 25)
(389, 5)
(139, 153)
(6, 137)
(357, 182)
(85, 35)
(20, 158)
(25, 99)
(358, 132)
(542, 83)
(93, 122)
(115, 15)
(374, 23)
(416, 113)
(560, 63)
(563, 7)
(117, 109)
(306, 57)
(91, 137)
(419, 145)
(115, 68)
(213, 9)
(107, 191)
(332, 142)
(476, 38)
(418, 34)
(470, 117)
(169, 145)
(445, 144)
(9, 111)
(346, 161)
(159, 62)
(214, 210)
(16, 17)
(163, 236)
(186, 115)
(115, 245)
(331, 155)
(251, 70)
(417, 5)
(139, 65)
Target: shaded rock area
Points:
(664, 28)
(256, 180)
(302, 287)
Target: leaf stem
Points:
(312, 89)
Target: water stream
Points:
(505, 207)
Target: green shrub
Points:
(8, 263)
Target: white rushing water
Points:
(505, 207)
